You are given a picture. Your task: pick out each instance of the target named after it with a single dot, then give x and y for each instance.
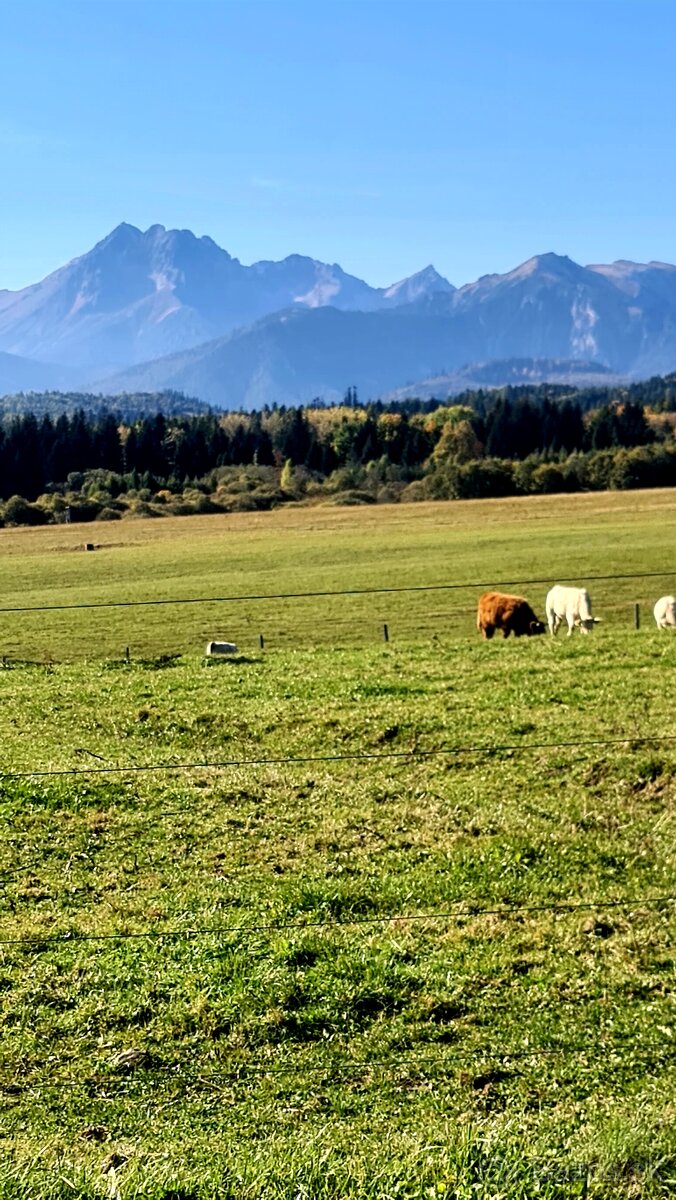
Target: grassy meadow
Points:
(377, 970)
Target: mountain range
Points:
(164, 309)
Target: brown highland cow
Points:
(511, 614)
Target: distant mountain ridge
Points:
(514, 372)
(548, 310)
(139, 295)
(157, 309)
(295, 356)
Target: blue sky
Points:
(380, 134)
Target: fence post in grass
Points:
(637, 616)
(386, 633)
(126, 654)
(261, 640)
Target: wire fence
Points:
(469, 908)
(259, 621)
(337, 1069)
(307, 595)
(472, 910)
(480, 748)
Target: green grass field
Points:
(376, 971)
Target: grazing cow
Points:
(511, 614)
(572, 603)
(665, 612)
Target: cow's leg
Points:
(553, 622)
(488, 632)
(571, 625)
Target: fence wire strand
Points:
(472, 910)
(360, 756)
(393, 1063)
(368, 591)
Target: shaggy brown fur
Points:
(511, 614)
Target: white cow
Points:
(572, 603)
(665, 612)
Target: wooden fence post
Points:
(261, 640)
(386, 633)
(637, 616)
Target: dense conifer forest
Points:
(60, 461)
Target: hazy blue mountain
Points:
(513, 371)
(295, 356)
(19, 374)
(650, 291)
(139, 295)
(549, 309)
(425, 283)
(653, 282)
(310, 284)
(163, 308)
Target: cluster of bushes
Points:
(79, 468)
(594, 471)
(106, 496)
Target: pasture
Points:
(406, 933)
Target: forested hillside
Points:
(129, 406)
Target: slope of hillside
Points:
(18, 374)
(295, 356)
(650, 290)
(548, 311)
(515, 372)
(549, 307)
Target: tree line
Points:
(38, 454)
(517, 439)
